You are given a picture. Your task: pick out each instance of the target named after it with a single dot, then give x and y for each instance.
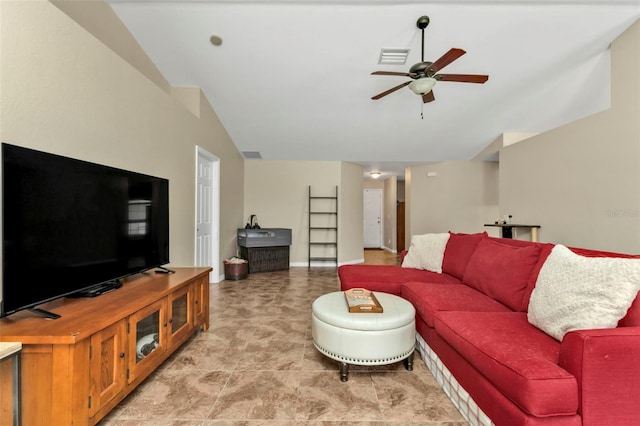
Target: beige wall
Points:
(461, 197)
(65, 92)
(98, 18)
(581, 182)
(390, 214)
(277, 192)
(373, 184)
(408, 206)
(351, 216)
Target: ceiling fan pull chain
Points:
(422, 111)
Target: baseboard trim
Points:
(324, 264)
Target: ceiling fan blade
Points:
(428, 97)
(393, 89)
(453, 54)
(403, 74)
(462, 78)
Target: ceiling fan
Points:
(425, 75)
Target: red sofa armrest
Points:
(403, 254)
(606, 364)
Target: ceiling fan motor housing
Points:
(421, 70)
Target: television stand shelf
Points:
(77, 368)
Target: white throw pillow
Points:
(426, 252)
(575, 292)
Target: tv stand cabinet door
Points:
(201, 302)
(180, 316)
(147, 339)
(108, 365)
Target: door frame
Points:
(200, 152)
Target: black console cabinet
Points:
(266, 249)
(266, 259)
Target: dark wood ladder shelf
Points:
(323, 216)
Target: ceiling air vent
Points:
(251, 155)
(393, 56)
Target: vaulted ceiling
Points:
(292, 79)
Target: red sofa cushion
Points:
(545, 251)
(386, 278)
(428, 299)
(632, 319)
(502, 271)
(520, 360)
(458, 251)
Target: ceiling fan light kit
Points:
(422, 86)
(376, 175)
(425, 74)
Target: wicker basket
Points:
(266, 259)
(236, 271)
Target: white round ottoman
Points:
(364, 338)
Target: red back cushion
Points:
(502, 271)
(632, 318)
(459, 249)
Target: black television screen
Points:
(70, 226)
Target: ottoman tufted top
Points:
(331, 308)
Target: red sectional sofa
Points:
(472, 321)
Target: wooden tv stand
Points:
(77, 368)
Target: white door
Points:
(372, 211)
(208, 212)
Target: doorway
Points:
(207, 250)
(372, 212)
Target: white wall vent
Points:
(251, 155)
(393, 56)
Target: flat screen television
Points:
(71, 227)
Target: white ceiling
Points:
(292, 79)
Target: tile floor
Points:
(256, 365)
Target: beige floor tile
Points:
(258, 395)
(322, 396)
(257, 366)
